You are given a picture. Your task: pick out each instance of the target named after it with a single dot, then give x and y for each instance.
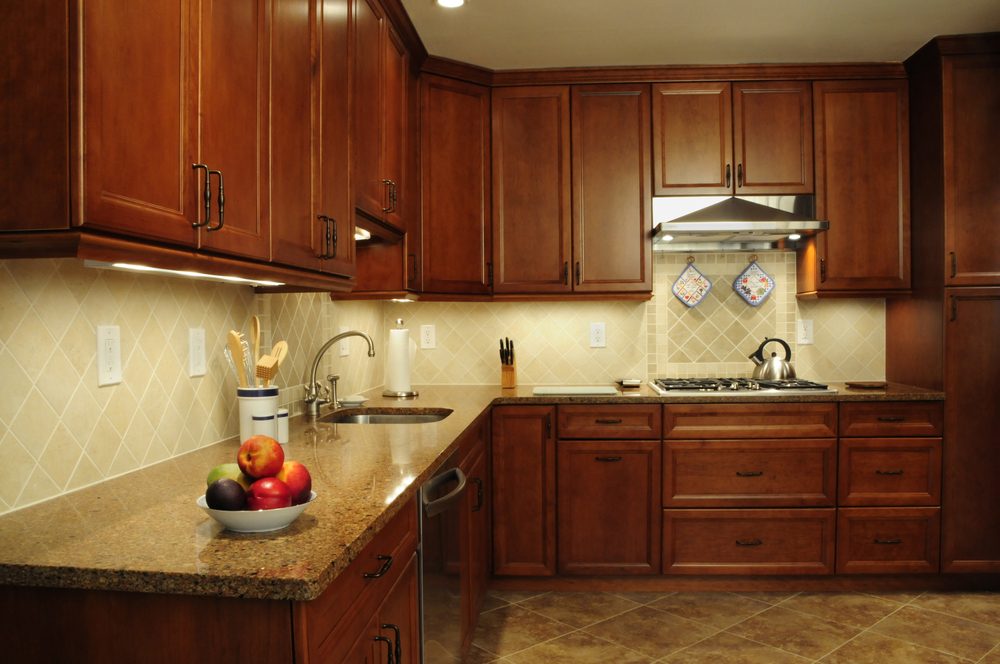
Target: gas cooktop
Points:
(708, 387)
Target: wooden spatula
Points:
(235, 340)
(267, 369)
(280, 351)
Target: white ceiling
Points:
(517, 34)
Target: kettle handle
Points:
(788, 351)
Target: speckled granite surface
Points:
(143, 531)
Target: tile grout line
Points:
(725, 629)
(995, 648)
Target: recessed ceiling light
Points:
(451, 3)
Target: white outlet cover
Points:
(428, 337)
(598, 335)
(109, 355)
(345, 344)
(196, 340)
(804, 332)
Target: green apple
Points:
(233, 472)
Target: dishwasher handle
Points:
(442, 504)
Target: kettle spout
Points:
(756, 357)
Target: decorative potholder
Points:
(753, 284)
(692, 286)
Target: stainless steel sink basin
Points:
(387, 418)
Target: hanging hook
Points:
(690, 259)
(753, 258)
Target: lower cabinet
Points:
(608, 500)
(888, 540)
(475, 529)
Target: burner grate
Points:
(734, 384)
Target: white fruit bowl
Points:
(258, 521)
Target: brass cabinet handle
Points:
(222, 202)
(206, 194)
(729, 176)
(388, 209)
(331, 237)
(739, 175)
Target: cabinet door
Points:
(455, 168)
(609, 507)
(693, 139)
(476, 541)
(366, 649)
(773, 137)
(532, 208)
(397, 65)
(524, 491)
(295, 240)
(401, 609)
(332, 194)
(139, 122)
(233, 136)
(971, 164)
(862, 187)
(970, 497)
(367, 111)
(612, 203)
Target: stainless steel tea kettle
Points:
(773, 368)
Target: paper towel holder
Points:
(408, 394)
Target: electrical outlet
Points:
(345, 344)
(428, 337)
(109, 355)
(804, 332)
(597, 335)
(196, 337)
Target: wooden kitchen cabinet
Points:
(609, 514)
(723, 139)
(612, 199)
(475, 528)
(455, 170)
(524, 490)
(863, 188)
(888, 540)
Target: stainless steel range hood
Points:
(749, 223)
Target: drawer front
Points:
(749, 421)
(888, 540)
(754, 473)
(796, 541)
(632, 422)
(892, 418)
(351, 590)
(890, 471)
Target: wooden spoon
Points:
(255, 342)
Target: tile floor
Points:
(738, 628)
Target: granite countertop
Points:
(143, 531)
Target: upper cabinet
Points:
(862, 188)
(721, 139)
(971, 87)
(379, 102)
(455, 173)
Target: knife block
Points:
(508, 375)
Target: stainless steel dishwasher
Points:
(440, 565)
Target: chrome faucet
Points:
(313, 399)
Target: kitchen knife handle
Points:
(729, 176)
(207, 194)
(479, 493)
(381, 572)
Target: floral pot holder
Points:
(692, 286)
(753, 284)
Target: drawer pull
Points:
(608, 458)
(749, 474)
(896, 541)
(888, 472)
(381, 572)
(892, 419)
(389, 660)
(753, 543)
(609, 421)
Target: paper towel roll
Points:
(397, 362)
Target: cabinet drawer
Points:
(794, 541)
(351, 591)
(636, 422)
(756, 421)
(890, 471)
(903, 418)
(891, 540)
(750, 473)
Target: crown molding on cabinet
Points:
(986, 42)
(407, 32)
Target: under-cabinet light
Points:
(794, 236)
(451, 3)
(361, 234)
(129, 267)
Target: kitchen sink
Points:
(435, 415)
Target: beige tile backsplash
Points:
(60, 432)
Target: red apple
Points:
(295, 475)
(260, 456)
(268, 494)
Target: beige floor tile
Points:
(578, 609)
(651, 632)
(767, 596)
(642, 597)
(900, 597)
(992, 658)
(725, 648)
(515, 596)
(510, 629)
(491, 602)
(479, 656)
(435, 653)
(719, 610)
(578, 648)
(807, 636)
(871, 648)
(938, 631)
(982, 607)
(851, 609)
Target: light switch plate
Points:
(345, 344)
(428, 337)
(598, 338)
(109, 355)
(196, 337)
(804, 332)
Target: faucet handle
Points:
(333, 378)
